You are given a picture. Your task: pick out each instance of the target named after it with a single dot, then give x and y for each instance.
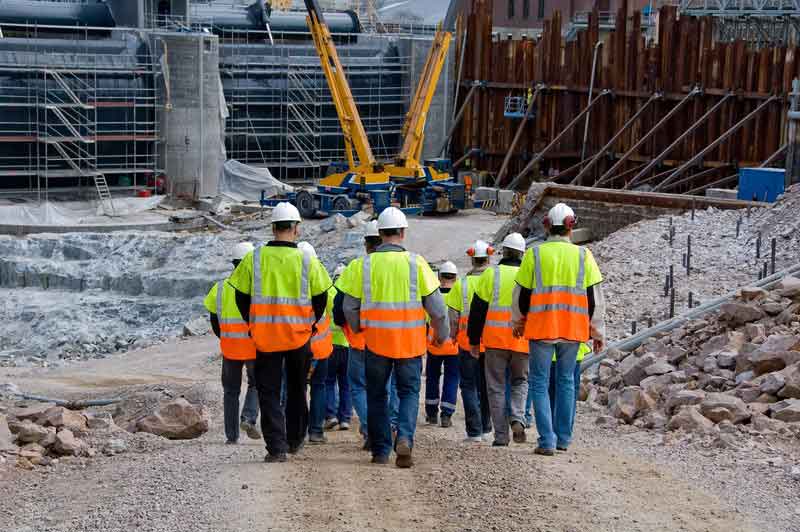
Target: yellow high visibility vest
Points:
(234, 333)
(496, 287)
(459, 299)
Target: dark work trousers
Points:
(486, 413)
(232, 388)
(474, 394)
(283, 431)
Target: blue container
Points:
(761, 184)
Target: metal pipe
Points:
(617, 135)
(518, 135)
(661, 156)
(457, 119)
(723, 181)
(698, 175)
(597, 46)
(608, 175)
(636, 340)
(769, 160)
(556, 140)
(691, 162)
(465, 156)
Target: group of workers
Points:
(509, 335)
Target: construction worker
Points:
(445, 355)
(321, 350)
(472, 368)
(283, 293)
(356, 367)
(490, 324)
(557, 304)
(388, 299)
(339, 406)
(238, 350)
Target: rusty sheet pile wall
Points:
(679, 114)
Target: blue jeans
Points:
(358, 387)
(316, 414)
(555, 429)
(552, 390)
(473, 394)
(408, 375)
(337, 375)
(449, 395)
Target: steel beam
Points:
(556, 140)
(457, 119)
(691, 162)
(661, 156)
(608, 175)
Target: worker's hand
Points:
(598, 344)
(518, 328)
(437, 341)
(475, 351)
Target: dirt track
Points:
(205, 485)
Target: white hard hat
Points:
(307, 249)
(480, 249)
(371, 229)
(339, 270)
(392, 218)
(240, 250)
(561, 214)
(448, 267)
(514, 241)
(285, 212)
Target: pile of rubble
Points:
(737, 370)
(43, 434)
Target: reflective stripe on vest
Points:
(559, 311)
(234, 336)
(393, 329)
(322, 340)
(463, 318)
(280, 323)
(497, 332)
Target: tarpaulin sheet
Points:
(78, 212)
(242, 182)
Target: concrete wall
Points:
(192, 126)
(440, 112)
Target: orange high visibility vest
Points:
(393, 329)
(463, 318)
(560, 311)
(322, 340)
(279, 323)
(355, 339)
(497, 331)
(448, 347)
(234, 333)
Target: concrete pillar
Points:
(191, 124)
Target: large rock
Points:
(659, 368)
(788, 315)
(738, 313)
(726, 359)
(789, 287)
(176, 420)
(67, 444)
(632, 368)
(58, 416)
(791, 382)
(626, 404)
(198, 326)
(690, 419)
(28, 431)
(656, 385)
(100, 421)
(31, 412)
(728, 341)
(765, 361)
(772, 383)
(720, 406)
(751, 293)
(787, 410)
(684, 398)
(6, 438)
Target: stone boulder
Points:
(728, 341)
(738, 313)
(765, 361)
(659, 368)
(31, 412)
(28, 431)
(629, 402)
(632, 368)
(176, 420)
(198, 326)
(6, 438)
(690, 419)
(772, 383)
(100, 421)
(58, 416)
(788, 315)
(67, 444)
(787, 410)
(719, 406)
(684, 398)
(726, 360)
(791, 382)
(789, 287)
(751, 293)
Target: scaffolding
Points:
(75, 114)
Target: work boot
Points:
(518, 430)
(544, 452)
(294, 449)
(403, 450)
(275, 458)
(380, 459)
(432, 420)
(446, 422)
(317, 439)
(330, 423)
(231, 442)
(251, 430)
(473, 439)
(561, 448)
(499, 444)
(366, 446)
(344, 425)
